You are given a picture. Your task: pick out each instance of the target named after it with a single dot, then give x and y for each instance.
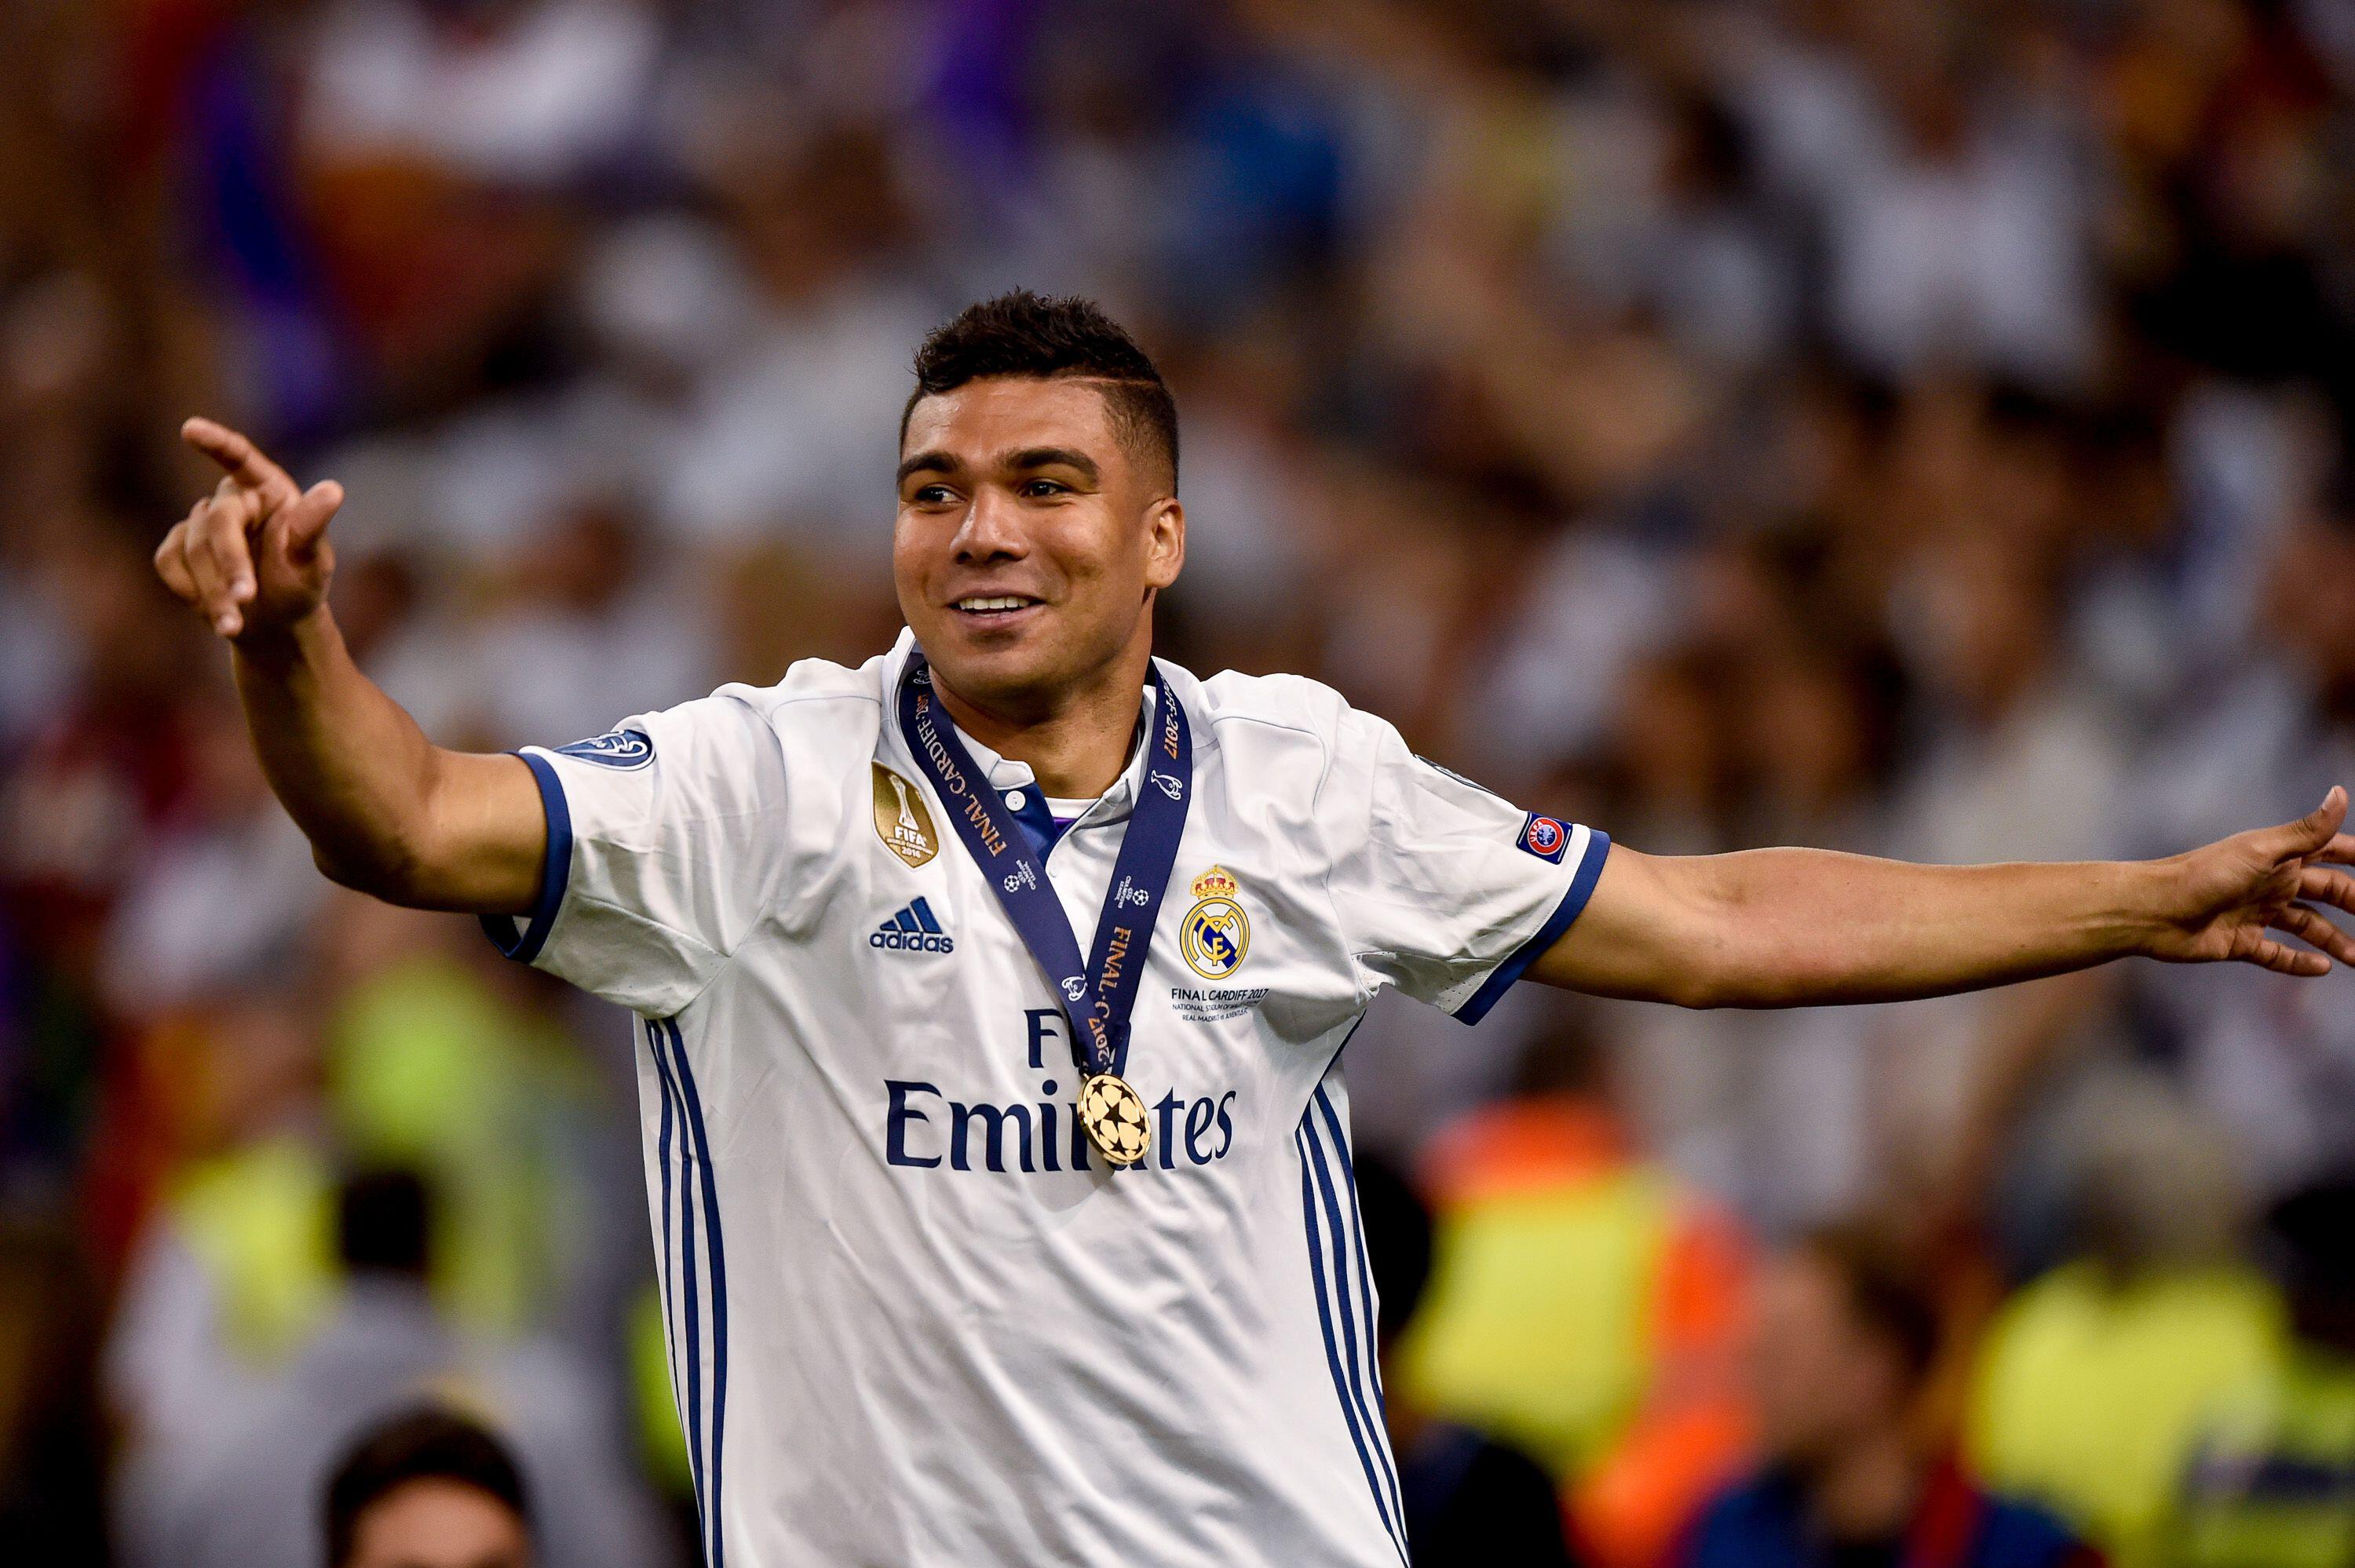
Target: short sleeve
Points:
(1444, 889)
(664, 849)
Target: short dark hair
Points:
(1042, 336)
(425, 1443)
(2305, 1240)
(383, 1222)
(1884, 1288)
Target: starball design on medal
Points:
(1113, 1115)
(1216, 933)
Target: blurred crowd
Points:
(1897, 426)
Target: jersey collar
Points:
(1007, 773)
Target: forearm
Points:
(1787, 927)
(1792, 927)
(360, 778)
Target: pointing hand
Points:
(252, 556)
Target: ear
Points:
(1164, 541)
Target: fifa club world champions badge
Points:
(1113, 1115)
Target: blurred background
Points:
(1895, 425)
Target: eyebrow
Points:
(1056, 456)
(935, 461)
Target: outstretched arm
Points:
(1785, 927)
(387, 811)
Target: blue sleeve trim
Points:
(1581, 888)
(554, 872)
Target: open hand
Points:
(2223, 900)
(253, 555)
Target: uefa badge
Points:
(1544, 838)
(1216, 933)
(1113, 1115)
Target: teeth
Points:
(1000, 603)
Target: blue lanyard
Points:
(1098, 995)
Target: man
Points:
(427, 1490)
(1469, 1500)
(1589, 1307)
(2271, 1483)
(918, 1314)
(248, 1497)
(1845, 1339)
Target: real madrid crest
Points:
(901, 819)
(1216, 933)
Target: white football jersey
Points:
(913, 1319)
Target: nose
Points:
(991, 529)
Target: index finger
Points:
(239, 456)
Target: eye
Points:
(932, 495)
(1037, 487)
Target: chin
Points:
(1023, 667)
(985, 669)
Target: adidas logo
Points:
(913, 930)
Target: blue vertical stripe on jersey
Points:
(1365, 1292)
(694, 1379)
(718, 1292)
(555, 871)
(1358, 1349)
(904, 921)
(1332, 1350)
(663, 1259)
(924, 913)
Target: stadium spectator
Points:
(1844, 1339)
(2093, 1380)
(1468, 1498)
(428, 1490)
(248, 1497)
(1585, 1304)
(2272, 1478)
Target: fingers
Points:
(2310, 927)
(172, 561)
(2282, 959)
(210, 557)
(2335, 888)
(2315, 832)
(308, 518)
(244, 460)
(221, 563)
(2339, 850)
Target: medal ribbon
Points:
(1098, 995)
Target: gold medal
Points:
(1113, 1115)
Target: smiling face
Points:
(1031, 541)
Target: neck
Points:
(1075, 748)
(1866, 1490)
